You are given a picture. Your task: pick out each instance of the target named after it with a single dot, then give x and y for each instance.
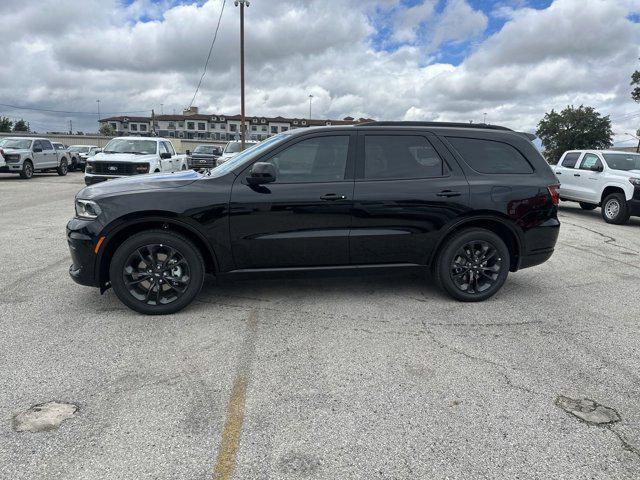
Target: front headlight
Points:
(635, 181)
(87, 209)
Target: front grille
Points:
(11, 158)
(113, 168)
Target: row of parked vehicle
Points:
(27, 155)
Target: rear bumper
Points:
(634, 203)
(540, 242)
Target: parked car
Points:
(472, 203)
(232, 149)
(609, 179)
(78, 155)
(27, 155)
(126, 156)
(61, 149)
(204, 156)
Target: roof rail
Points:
(433, 124)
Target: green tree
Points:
(107, 130)
(573, 128)
(21, 126)
(635, 82)
(5, 124)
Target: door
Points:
(408, 186)
(303, 218)
(165, 163)
(566, 173)
(41, 158)
(590, 182)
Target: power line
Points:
(206, 64)
(48, 110)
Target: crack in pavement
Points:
(609, 240)
(7, 288)
(623, 440)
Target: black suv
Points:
(471, 202)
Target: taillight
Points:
(553, 191)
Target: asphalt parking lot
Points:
(360, 376)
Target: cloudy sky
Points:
(449, 60)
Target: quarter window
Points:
(320, 159)
(488, 156)
(570, 160)
(400, 156)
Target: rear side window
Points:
(400, 156)
(46, 145)
(570, 160)
(488, 156)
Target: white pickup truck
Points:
(126, 156)
(26, 155)
(609, 179)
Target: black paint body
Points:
(239, 227)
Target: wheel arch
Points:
(614, 188)
(502, 227)
(140, 223)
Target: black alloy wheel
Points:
(157, 272)
(472, 265)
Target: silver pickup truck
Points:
(27, 155)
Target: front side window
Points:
(400, 156)
(570, 160)
(589, 161)
(46, 145)
(169, 148)
(320, 159)
(489, 156)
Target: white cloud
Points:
(576, 51)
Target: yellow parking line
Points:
(230, 441)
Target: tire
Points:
(74, 164)
(62, 168)
(132, 262)
(588, 206)
(27, 170)
(472, 265)
(615, 209)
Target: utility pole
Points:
(153, 123)
(70, 127)
(310, 98)
(162, 109)
(98, 102)
(242, 4)
(484, 118)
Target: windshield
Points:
(128, 145)
(78, 148)
(16, 143)
(623, 161)
(248, 154)
(209, 150)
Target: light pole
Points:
(310, 98)
(484, 118)
(98, 102)
(242, 4)
(162, 109)
(637, 137)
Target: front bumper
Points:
(83, 258)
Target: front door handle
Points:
(558, 173)
(576, 174)
(448, 193)
(332, 197)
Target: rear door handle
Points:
(448, 193)
(333, 197)
(558, 173)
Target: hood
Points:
(10, 151)
(137, 183)
(123, 157)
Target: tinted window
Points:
(589, 161)
(623, 161)
(162, 148)
(570, 160)
(320, 159)
(400, 156)
(488, 156)
(46, 145)
(169, 148)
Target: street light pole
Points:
(242, 4)
(637, 138)
(484, 118)
(98, 102)
(310, 98)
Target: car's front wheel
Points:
(62, 168)
(615, 209)
(27, 170)
(472, 265)
(157, 272)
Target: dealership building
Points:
(194, 125)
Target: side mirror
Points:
(261, 173)
(165, 155)
(37, 150)
(188, 152)
(597, 168)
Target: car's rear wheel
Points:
(615, 209)
(27, 170)
(62, 168)
(472, 265)
(74, 164)
(157, 272)
(588, 206)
